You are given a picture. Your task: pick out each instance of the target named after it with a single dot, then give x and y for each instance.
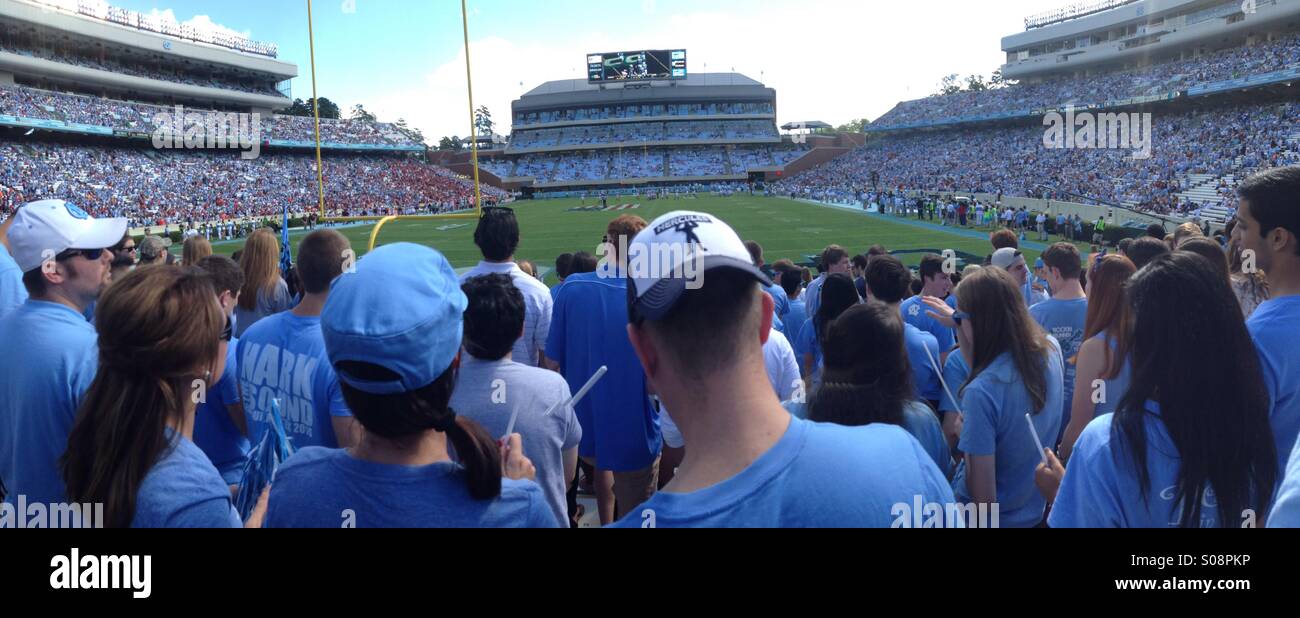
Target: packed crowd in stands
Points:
(141, 118)
(90, 59)
(614, 112)
(153, 186)
(644, 132)
(1013, 161)
(1163, 78)
(613, 164)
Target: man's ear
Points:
(765, 321)
(646, 351)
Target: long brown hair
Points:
(159, 331)
(1001, 324)
(1108, 309)
(196, 248)
(261, 264)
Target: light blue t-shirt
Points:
(794, 319)
(918, 419)
(779, 297)
(813, 295)
(283, 357)
(995, 405)
(620, 426)
(1116, 387)
(183, 490)
(808, 343)
(921, 348)
(489, 392)
(955, 373)
(214, 432)
(324, 488)
(1066, 321)
(815, 476)
(1286, 510)
(1100, 488)
(12, 292)
(1275, 326)
(49, 360)
(917, 313)
(268, 304)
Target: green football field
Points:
(787, 229)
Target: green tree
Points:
(328, 109)
(360, 113)
(483, 121)
(975, 83)
(857, 126)
(452, 143)
(949, 85)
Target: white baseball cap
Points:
(701, 239)
(43, 230)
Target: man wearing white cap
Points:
(1013, 261)
(698, 327)
(63, 255)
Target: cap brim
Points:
(657, 302)
(101, 234)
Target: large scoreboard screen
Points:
(636, 66)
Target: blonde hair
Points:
(261, 265)
(196, 248)
(1185, 231)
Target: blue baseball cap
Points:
(403, 310)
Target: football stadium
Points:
(648, 295)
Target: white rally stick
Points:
(1033, 431)
(600, 373)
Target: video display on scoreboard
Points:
(636, 66)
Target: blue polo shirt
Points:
(51, 355)
(620, 427)
(214, 432)
(1275, 326)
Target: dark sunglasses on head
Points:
(89, 254)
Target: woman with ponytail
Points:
(393, 331)
(162, 340)
(868, 380)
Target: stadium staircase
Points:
(667, 165)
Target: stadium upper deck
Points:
(708, 127)
(1124, 34)
(92, 47)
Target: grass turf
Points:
(787, 229)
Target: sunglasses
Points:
(960, 317)
(229, 332)
(89, 254)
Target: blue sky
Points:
(830, 60)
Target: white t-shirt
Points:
(538, 305)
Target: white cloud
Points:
(828, 60)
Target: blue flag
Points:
(286, 256)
